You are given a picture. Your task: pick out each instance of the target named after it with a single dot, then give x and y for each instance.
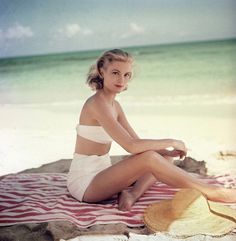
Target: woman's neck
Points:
(109, 96)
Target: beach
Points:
(180, 91)
(64, 230)
(31, 136)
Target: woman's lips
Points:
(119, 86)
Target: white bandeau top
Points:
(94, 133)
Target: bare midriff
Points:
(87, 147)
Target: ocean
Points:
(162, 73)
(41, 97)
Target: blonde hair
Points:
(94, 78)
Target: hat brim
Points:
(188, 214)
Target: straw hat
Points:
(188, 214)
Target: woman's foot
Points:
(126, 200)
(221, 194)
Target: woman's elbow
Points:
(132, 147)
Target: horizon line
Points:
(124, 47)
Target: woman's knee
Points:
(169, 159)
(150, 158)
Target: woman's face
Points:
(116, 76)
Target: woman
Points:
(92, 178)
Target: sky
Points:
(32, 27)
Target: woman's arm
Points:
(103, 113)
(124, 122)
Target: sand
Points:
(27, 130)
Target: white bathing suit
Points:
(93, 133)
(85, 167)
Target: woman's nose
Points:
(121, 78)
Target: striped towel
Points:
(28, 198)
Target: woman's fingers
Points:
(177, 153)
(182, 155)
(179, 145)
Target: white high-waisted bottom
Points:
(82, 171)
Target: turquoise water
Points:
(175, 74)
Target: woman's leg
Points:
(121, 175)
(128, 197)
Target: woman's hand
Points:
(172, 153)
(176, 153)
(180, 148)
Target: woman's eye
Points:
(127, 75)
(115, 73)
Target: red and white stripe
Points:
(28, 198)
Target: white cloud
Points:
(134, 29)
(72, 30)
(17, 31)
(87, 31)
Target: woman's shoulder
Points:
(118, 106)
(94, 102)
(87, 111)
(117, 103)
